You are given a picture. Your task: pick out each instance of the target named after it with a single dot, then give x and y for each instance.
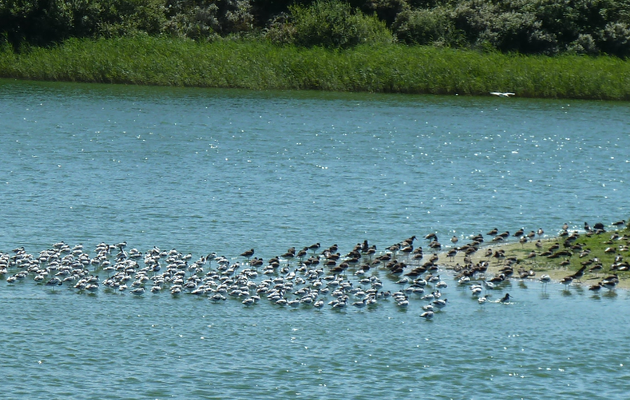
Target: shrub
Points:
(425, 27)
(280, 30)
(335, 24)
(198, 19)
(386, 10)
(130, 17)
(615, 39)
(44, 22)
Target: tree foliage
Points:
(335, 24)
(524, 26)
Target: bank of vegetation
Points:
(538, 48)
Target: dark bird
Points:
(431, 236)
(247, 254)
(314, 247)
(365, 247)
(302, 253)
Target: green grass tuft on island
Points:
(259, 65)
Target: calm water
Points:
(205, 171)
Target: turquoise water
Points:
(206, 171)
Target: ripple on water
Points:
(229, 170)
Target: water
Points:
(225, 171)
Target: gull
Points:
(503, 94)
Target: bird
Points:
(567, 280)
(138, 291)
(427, 315)
(544, 279)
(505, 298)
(54, 282)
(314, 247)
(440, 303)
(431, 236)
(503, 94)
(610, 282)
(248, 253)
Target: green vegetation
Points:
(409, 46)
(261, 65)
(548, 27)
(599, 253)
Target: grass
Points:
(591, 252)
(259, 66)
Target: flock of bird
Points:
(312, 276)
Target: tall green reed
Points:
(259, 65)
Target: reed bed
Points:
(259, 65)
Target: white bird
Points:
(138, 291)
(427, 315)
(503, 94)
(545, 279)
(248, 301)
(440, 303)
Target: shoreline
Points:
(539, 265)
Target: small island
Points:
(567, 256)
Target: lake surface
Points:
(205, 171)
